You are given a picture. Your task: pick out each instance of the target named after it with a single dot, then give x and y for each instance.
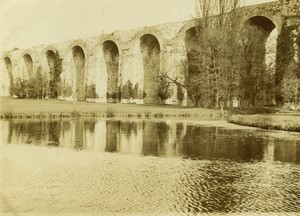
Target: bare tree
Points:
(211, 54)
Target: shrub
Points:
(113, 95)
(90, 91)
(128, 91)
(20, 88)
(163, 89)
(36, 86)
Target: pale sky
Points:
(26, 23)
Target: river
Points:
(155, 167)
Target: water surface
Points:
(147, 166)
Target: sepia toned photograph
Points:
(149, 107)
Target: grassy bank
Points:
(27, 108)
(269, 121)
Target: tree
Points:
(288, 65)
(35, 87)
(55, 84)
(254, 79)
(227, 58)
(212, 48)
(290, 86)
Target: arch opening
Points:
(9, 68)
(54, 63)
(150, 50)
(259, 51)
(79, 62)
(28, 64)
(50, 55)
(111, 56)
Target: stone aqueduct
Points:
(108, 61)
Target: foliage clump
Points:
(128, 91)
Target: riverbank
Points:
(280, 121)
(272, 119)
(30, 108)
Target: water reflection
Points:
(158, 138)
(220, 143)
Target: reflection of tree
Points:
(286, 150)
(128, 128)
(179, 130)
(32, 130)
(66, 134)
(112, 130)
(29, 131)
(180, 134)
(150, 138)
(163, 135)
(54, 132)
(130, 137)
(65, 125)
(212, 142)
(10, 131)
(90, 125)
(79, 134)
(163, 138)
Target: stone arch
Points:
(111, 57)
(150, 51)
(263, 22)
(258, 85)
(186, 27)
(50, 56)
(191, 40)
(28, 61)
(49, 48)
(148, 31)
(9, 68)
(79, 43)
(79, 59)
(152, 32)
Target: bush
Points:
(163, 89)
(112, 95)
(90, 91)
(36, 86)
(20, 88)
(128, 91)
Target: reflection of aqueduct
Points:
(152, 137)
(109, 61)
